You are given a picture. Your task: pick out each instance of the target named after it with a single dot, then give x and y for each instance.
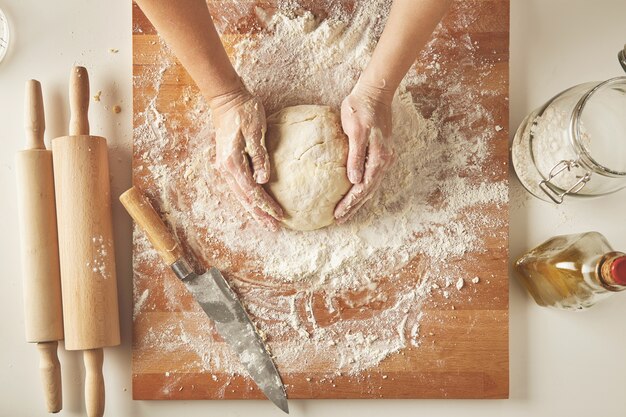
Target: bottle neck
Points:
(612, 271)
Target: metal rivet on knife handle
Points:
(149, 221)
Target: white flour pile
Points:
(342, 298)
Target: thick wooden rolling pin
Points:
(83, 202)
(40, 250)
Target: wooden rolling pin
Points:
(83, 202)
(40, 250)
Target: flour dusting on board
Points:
(328, 299)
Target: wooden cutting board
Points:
(464, 344)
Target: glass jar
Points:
(575, 144)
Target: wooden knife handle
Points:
(79, 101)
(50, 369)
(94, 382)
(34, 120)
(149, 221)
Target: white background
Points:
(561, 363)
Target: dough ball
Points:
(308, 153)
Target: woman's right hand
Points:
(241, 155)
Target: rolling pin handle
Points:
(94, 382)
(79, 101)
(34, 120)
(50, 369)
(149, 221)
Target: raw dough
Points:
(308, 152)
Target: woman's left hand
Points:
(366, 120)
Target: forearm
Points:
(408, 28)
(187, 28)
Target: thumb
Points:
(255, 148)
(357, 150)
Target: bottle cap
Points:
(618, 270)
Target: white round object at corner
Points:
(5, 35)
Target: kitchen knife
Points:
(216, 298)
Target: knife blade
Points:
(216, 298)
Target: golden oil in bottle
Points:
(572, 272)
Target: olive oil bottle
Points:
(572, 272)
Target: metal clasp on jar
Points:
(621, 56)
(557, 194)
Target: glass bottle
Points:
(572, 272)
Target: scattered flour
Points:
(100, 261)
(139, 302)
(346, 297)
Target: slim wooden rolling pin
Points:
(40, 250)
(83, 201)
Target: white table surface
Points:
(561, 363)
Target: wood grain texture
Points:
(43, 311)
(83, 202)
(50, 370)
(94, 382)
(34, 120)
(39, 246)
(149, 221)
(463, 352)
(79, 101)
(38, 226)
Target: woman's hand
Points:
(241, 156)
(366, 119)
